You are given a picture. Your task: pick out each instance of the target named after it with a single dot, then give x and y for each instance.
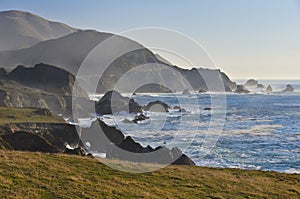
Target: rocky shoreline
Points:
(70, 139)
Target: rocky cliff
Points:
(42, 137)
(42, 86)
(106, 139)
(55, 137)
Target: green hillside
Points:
(33, 115)
(37, 175)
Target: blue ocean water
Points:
(249, 131)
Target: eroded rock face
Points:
(241, 89)
(26, 141)
(100, 136)
(42, 137)
(47, 78)
(54, 137)
(110, 140)
(41, 86)
(130, 150)
(113, 102)
(157, 106)
(289, 88)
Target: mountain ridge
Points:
(70, 51)
(24, 29)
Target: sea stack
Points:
(186, 92)
(289, 88)
(260, 86)
(241, 89)
(251, 82)
(269, 89)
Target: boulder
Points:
(269, 89)
(136, 119)
(289, 88)
(139, 118)
(251, 82)
(241, 89)
(179, 109)
(186, 92)
(113, 102)
(157, 106)
(260, 86)
(43, 112)
(202, 91)
(76, 151)
(183, 160)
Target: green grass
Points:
(20, 115)
(37, 175)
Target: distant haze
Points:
(246, 39)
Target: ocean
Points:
(247, 131)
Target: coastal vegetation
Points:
(40, 175)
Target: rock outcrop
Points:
(113, 102)
(13, 94)
(3, 73)
(289, 88)
(241, 89)
(269, 89)
(47, 78)
(42, 137)
(139, 118)
(179, 109)
(42, 86)
(186, 92)
(260, 86)
(202, 91)
(76, 151)
(65, 138)
(110, 140)
(157, 106)
(251, 82)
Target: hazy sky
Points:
(246, 38)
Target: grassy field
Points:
(19, 115)
(37, 175)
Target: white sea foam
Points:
(292, 171)
(260, 130)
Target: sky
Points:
(245, 38)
